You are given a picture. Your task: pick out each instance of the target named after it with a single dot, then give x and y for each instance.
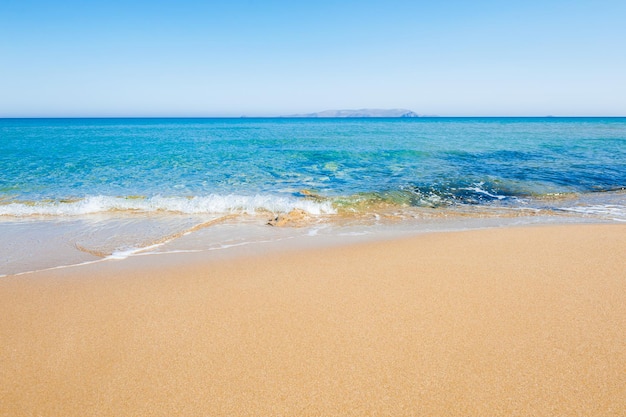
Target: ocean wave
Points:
(211, 204)
(437, 195)
(610, 211)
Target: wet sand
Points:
(502, 322)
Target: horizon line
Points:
(305, 117)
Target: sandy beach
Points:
(500, 322)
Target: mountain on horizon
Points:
(360, 113)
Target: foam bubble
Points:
(477, 188)
(211, 204)
(612, 211)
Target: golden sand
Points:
(502, 322)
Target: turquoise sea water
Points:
(147, 180)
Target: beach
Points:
(527, 321)
(312, 209)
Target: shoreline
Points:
(35, 245)
(505, 321)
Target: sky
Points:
(267, 58)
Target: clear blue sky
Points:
(264, 58)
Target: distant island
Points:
(360, 113)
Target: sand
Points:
(502, 322)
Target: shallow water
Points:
(77, 190)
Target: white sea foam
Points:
(123, 254)
(211, 204)
(477, 188)
(612, 211)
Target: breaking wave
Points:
(211, 204)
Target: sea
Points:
(75, 191)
